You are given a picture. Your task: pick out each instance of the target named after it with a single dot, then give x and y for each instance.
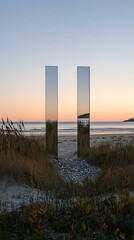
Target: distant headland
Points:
(129, 120)
(85, 115)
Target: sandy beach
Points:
(67, 144)
(100, 138)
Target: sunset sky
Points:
(67, 34)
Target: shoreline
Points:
(98, 134)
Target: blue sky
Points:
(95, 33)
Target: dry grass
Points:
(117, 164)
(116, 155)
(24, 158)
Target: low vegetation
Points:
(117, 164)
(84, 220)
(24, 158)
(78, 211)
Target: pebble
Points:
(76, 169)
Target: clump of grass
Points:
(116, 155)
(24, 158)
(10, 136)
(117, 164)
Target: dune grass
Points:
(24, 158)
(117, 164)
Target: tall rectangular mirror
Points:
(83, 110)
(51, 106)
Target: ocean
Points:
(70, 128)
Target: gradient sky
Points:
(67, 33)
(51, 93)
(83, 90)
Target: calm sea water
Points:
(67, 128)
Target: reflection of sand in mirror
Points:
(52, 137)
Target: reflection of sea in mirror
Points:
(51, 74)
(83, 110)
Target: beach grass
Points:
(90, 210)
(24, 158)
(117, 164)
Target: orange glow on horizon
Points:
(66, 114)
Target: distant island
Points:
(129, 120)
(85, 115)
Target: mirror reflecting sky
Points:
(83, 90)
(51, 77)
